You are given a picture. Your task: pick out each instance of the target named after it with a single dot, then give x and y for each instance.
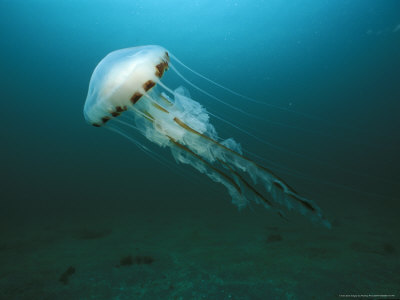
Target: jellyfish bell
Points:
(121, 79)
(126, 93)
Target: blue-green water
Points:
(75, 195)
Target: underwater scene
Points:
(229, 149)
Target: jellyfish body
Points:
(124, 90)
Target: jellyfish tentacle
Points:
(231, 181)
(219, 85)
(219, 173)
(188, 150)
(146, 150)
(159, 107)
(273, 183)
(257, 138)
(247, 184)
(305, 115)
(145, 114)
(258, 194)
(246, 132)
(188, 128)
(288, 126)
(280, 191)
(245, 112)
(275, 123)
(294, 153)
(214, 97)
(165, 99)
(208, 169)
(189, 176)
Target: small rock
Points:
(64, 278)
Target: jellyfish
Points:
(126, 89)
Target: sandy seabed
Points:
(209, 253)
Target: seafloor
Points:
(200, 252)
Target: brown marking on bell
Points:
(148, 85)
(119, 109)
(115, 114)
(105, 119)
(135, 98)
(167, 55)
(96, 125)
(160, 69)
